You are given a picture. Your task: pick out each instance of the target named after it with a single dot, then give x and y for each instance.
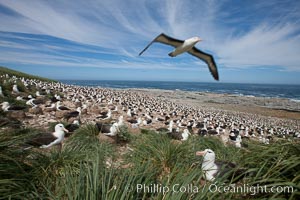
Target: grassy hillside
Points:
(138, 166)
(4, 70)
(6, 85)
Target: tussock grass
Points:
(80, 170)
(15, 172)
(124, 136)
(161, 152)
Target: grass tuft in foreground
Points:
(80, 170)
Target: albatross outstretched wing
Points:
(208, 59)
(163, 38)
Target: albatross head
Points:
(4, 105)
(208, 154)
(197, 39)
(60, 128)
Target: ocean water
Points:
(291, 92)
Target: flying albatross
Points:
(187, 45)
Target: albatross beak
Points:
(66, 130)
(200, 153)
(199, 39)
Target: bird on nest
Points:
(213, 169)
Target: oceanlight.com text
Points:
(213, 188)
(249, 189)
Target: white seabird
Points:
(120, 121)
(47, 140)
(213, 169)
(105, 116)
(187, 45)
(60, 107)
(108, 129)
(135, 122)
(72, 127)
(34, 102)
(114, 129)
(15, 89)
(6, 107)
(73, 113)
(185, 134)
(1, 93)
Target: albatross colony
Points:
(137, 105)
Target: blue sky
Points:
(252, 41)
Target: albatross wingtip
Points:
(217, 77)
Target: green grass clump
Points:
(16, 174)
(161, 152)
(123, 135)
(81, 170)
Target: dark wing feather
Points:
(71, 114)
(38, 101)
(230, 171)
(42, 139)
(103, 128)
(132, 121)
(163, 38)
(208, 59)
(63, 108)
(224, 167)
(16, 108)
(72, 127)
(175, 135)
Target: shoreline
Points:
(265, 106)
(220, 91)
(281, 104)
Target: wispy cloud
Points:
(263, 46)
(109, 32)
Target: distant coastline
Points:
(291, 92)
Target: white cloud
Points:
(123, 28)
(42, 59)
(263, 46)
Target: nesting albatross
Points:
(46, 140)
(108, 129)
(213, 169)
(187, 45)
(6, 107)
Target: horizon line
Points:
(215, 82)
